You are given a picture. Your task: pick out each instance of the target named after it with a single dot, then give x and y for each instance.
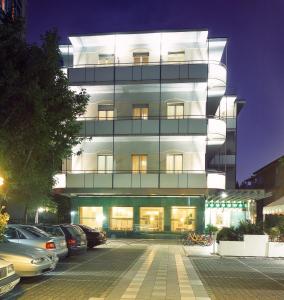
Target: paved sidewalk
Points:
(163, 272)
(122, 269)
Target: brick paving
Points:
(241, 278)
(122, 269)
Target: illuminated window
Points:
(176, 56)
(139, 163)
(183, 218)
(140, 111)
(106, 59)
(121, 218)
(151, 218)
(175, 111)
(141, 57)
(174, 163)
(105, 112)
(92, 216)
(105, 163)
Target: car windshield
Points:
(73, 230)
(35, 231)
(53, 230)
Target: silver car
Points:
(32, 236)
(28, 261)
(8, 278)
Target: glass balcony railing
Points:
(184, 125)
(195, 179)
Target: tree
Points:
(38, 112)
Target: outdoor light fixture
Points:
(73, 213)
(1, 181)
(40, 209)
(224, 195)
(101, 218)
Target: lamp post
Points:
(38, 211)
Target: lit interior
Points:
(151, 218)
(121, 218)
(183, 218)
(92, 216)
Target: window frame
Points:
(105, 170)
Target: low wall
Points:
(275, 249)
(252, 245)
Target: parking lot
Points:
(155, 269)
(241, 278)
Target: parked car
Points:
(8, 279)
(94, 237)
(28, 261)
(75, 238)
(32, 236)
(56, 233)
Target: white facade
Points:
(158, 116)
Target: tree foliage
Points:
(37, 112)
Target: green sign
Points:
(226, 204)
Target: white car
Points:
(8, 278)
(28, 261)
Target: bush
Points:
(227, 234)
(211, 229)
(246, 227)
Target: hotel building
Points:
(159, 133)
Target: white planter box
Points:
(253, 245)
(231, 248)
(275, 249)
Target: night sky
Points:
(255, 29)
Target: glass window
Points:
(175, 111)
(105, 112)
(174, 163)
(105, 59)
(151, 218)
(121, 218)
(141, 57)
(140, 111)
(11, 233)
(92, 216)
(176, 56)
(183, 218)
(139, 163)
(105, 163)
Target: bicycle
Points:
(197, 239)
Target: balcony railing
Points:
(193, 70)
(196, 179)
(163, 125)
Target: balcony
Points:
(189, 125)
(153, 179)
(193, 71)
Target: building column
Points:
(106, 213)
(167, 218)
(136, 218)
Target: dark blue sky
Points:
(255, 29)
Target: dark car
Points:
(75, 238)
(94, 237)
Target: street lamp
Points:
(1, 180)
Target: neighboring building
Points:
(271, 179)
(16, 8)
(160, 133)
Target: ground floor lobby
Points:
(155, 214)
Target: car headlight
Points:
(37, 260)
(10, 269)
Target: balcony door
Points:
(105, 163)
(139, 163)
(175, 111)
(140, 111)
(176, 56)
(141, 58)
(105, 112)
(174, 163)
